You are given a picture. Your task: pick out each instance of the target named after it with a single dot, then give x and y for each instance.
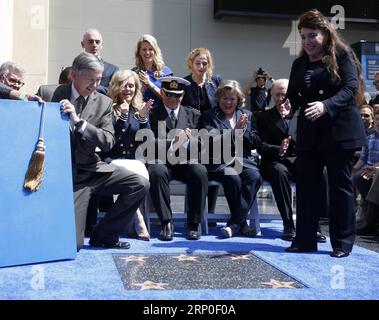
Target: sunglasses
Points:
(365, 115)
(170, 94)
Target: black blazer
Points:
(215, 119)
(192, 92)
(341, 126)
(273, 129)
(109, 70)
(99, 133)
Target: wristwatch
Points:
(79, 124)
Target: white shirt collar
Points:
(176, 111)
(75, 94)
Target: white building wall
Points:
(238, 45)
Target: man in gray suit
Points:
(91, 127)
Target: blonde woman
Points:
(150, 66)
(130, 115)
(200, 94)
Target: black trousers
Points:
(280, 176)
(240, 191)
(131, 189)
(193, 175)
(309, 191)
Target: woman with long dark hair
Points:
(326, 86)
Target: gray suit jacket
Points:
(99, 133)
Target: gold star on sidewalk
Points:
(134, 258)
(279, 284)
(240, 256)
(184, 257)
(150, 285)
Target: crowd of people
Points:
(133, 131)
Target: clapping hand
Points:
(180, 139)
(242, 121)
(124, 107)
(144, 78)
(284, 146)
(369, 172)
(146, 107)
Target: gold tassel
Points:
(34, 175)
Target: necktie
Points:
(79, 105)
(174, 120)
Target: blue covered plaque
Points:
(35, 226)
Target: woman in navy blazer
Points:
(200, 94)
(234, 131)
(325, 86)
(129, 115)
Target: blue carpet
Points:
(94, 275)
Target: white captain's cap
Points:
(174, 84)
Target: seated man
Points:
(278, 151)
(12, 74)
(9, 93)
(91, 126)
(172, 115)
(375, 100)
(365, 170)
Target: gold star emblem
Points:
(150, 285)
(174, 84)
(234, 256)
(134, 258)
(184, 257)
(279, 284)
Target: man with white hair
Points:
(12, 74)
(93, 43)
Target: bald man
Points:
(93, 43)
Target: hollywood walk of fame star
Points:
(184, 257)
(279, 284)
(234, 256)
(150, 285)
(134, 258)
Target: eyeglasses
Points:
(170, 94)
(365, 115)
(15, 81)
